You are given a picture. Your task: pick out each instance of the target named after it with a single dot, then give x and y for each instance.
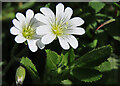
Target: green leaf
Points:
(86, 75)
(97, 6)
(113, 62)
(105, 66)
(66, 82)
(94, 57)
(20, 75)
(52, 59)
(67, 58)
(48, 5)
(93, 44)
(30, 67)
(117, 38)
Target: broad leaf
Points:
(52, 59)
(86, 75)
(97, 6)
(94, 57)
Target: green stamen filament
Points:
(28, 32)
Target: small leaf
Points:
(86, 75)
(97, 6)
(105, 66)
(27, 62)
(20, 75)
(30, 67)
(113, 62)
(48, 5)
(52, 59)
(67, 58)
(94, 43)
(117, 38)
(66, 82)
(94, 57)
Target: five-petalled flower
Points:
(25, 29)
(60, 26)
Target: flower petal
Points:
(59, 9)
(42, 30)
(68, 13)
(17, 24)
(29, 13)
(76, 31)
(47, 12)
(40, 44)
(29, 16)
(48, 38)
(20, 17)
(32, 45)
(20, 38)
(14, 31)
(63, 42)
(76, 21)
(72, 41)
(41, 17)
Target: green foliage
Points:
(114, 62)
(30, 67)
(66, 82)
(86, 75)
(97, 6)
(94, 57)
(26, 5)
(94, 43)
(105, 66)
(88, 63)
(52, 59)
(109, 65)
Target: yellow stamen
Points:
(28, 32)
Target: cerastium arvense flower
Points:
(59, 26)
(25, 29)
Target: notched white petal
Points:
(76, 21)
(32, 45)
(63, 42)
(59, 9)
(14, 31)
(20, 38)
(40, 17)
(72, 41)
(46, 39)
(47, 12)
(68, 13)
(20, 17)
(29, 13)
(16, 23)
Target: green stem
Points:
(116, 4)
(13, 59)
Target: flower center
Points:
(28, 32)
(57, 30)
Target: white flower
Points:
(25, 29)
(60, 26)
